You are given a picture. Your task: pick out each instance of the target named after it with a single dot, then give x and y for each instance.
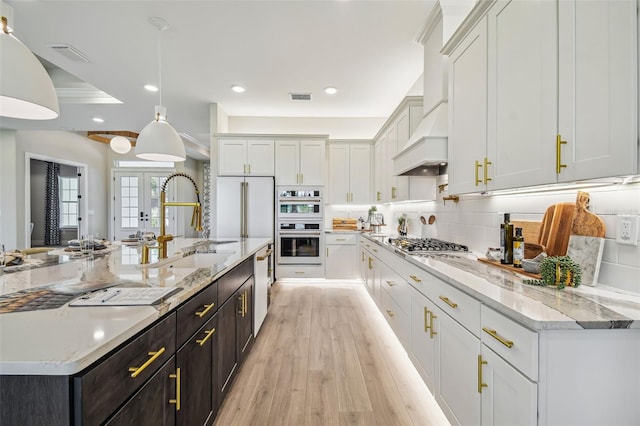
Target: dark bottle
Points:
(506, 234)
(518, 248)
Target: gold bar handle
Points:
(264, 256)
(207, 308)
(432, 332)
(370, 263)
(486, 170)
(241, 308)
(362, 256)
(477, 181)
(416, 279)
(448, 302)
(426, 324)
(393, 192)
(390, 313)
(378, 196)
(327, 251)
(301, 178)
(559, 143)
(135, 371)
(480, 364)
(249, 168)
(177, 400)
(390, 283)
(208, 333)
(494, 334)
(246, 305)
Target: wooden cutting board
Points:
(556, 228)
(584, 222)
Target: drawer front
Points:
(416, 277)
(110, 383)
(396, 286)
(299, 271)
(397, 319)
(460, 306)
(195, 312)
(513, 342)
(341, 239)
(231, 281)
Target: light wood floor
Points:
(326, 356)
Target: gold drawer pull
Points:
(480, 364)
(391, 314)
(416, 279)
(208, 333)
(135, 371)
(341, 239)
(265, 255)
(448, 302)
(207, 308)
(391, 283)
(559, 143)
(426, 314)
(177, 400)
(432, 332)
(494, 334)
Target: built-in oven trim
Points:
(303, 233)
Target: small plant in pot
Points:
(559, 271)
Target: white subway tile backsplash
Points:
(620, 276)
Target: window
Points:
(68, 201)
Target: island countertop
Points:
(67, 339)
(536, 307)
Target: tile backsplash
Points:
(475, 221)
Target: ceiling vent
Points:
(70, 52)
(300, 96)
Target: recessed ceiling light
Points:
(98, 120)
(330, 90)
(151, 87)
(237, 89)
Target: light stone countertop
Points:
(66, 340)
(539, 308)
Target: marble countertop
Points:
(539, 308)
(65, 340)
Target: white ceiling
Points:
(365, 48)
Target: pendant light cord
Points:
(160, 64)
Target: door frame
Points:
(83, 205)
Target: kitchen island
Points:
(62, 365)
(494, 350)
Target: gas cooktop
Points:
(425, 245)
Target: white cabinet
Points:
(300, 162)
(241, 157)
(349, 173)
(340, 260)
(379, 177)
(425, 332)
(543, 92)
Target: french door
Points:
(137, 203)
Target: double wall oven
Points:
(300, 227)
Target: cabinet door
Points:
(341, 261)
(287, 162)
(468, 110)
(312, 156)
(227, 356)
(522, 88)
(196, 360)
(339, 189)
(360, 174)
(379, 171)
(508, 398)
(424, 337)
(151, 404)
(244, 315)
(403, 131)
(598, 71)
(458, 350)
(232, 157)
(260, 158)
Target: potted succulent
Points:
(559, 271)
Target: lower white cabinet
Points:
(340, 259)
(425, 333)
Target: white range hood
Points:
(426, 149)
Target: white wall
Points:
(8, 189)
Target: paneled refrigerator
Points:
(244, 207)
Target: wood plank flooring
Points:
(326, 356)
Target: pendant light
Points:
(26, 90)
(159, 141)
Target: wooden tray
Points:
(509, 268)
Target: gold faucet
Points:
(163, 238)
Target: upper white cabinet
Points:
(350, 173)
(300, 162)
(242, 157)
(542, 92)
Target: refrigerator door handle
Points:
(242, 209)
(245, 212)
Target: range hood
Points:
(426, 151)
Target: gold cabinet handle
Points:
(370, 263)
(249, 168)
(481, 385)
(394, 191)
(478, 165)
(327, 251)
(241, 308)
(207, 308)
(486, 170)
(246, 303)
(208, 333)
(390, 283)
(362, 256)
(432, 332)
(448, 302)
(177, 400)
(426, 324)
(559, 143)
(135, 371)
(341, 239)
(378, 195)
(264, 256)
(416, 279)
(495, 335)
(351, 195)
(390, 313)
